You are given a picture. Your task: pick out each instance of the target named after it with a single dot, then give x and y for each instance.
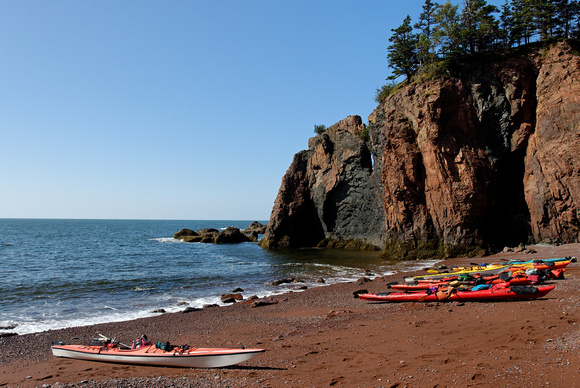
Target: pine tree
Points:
(447, 34)
(566, 13)
(545, 22)
(426, 49)
(402, 53)
(506, 25)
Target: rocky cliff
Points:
(484, 158)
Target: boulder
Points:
(232, 296)
(183, 233)
(263, 302)
(284, 281)
(231, 235)
(255, 227)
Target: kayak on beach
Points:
(144, 352)
(514, 281)
(572, 259)
(491, 269)
(496, 292)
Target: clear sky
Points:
(176, 109)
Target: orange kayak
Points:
(181, 356)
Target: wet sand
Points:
(324, 337)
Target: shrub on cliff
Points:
(319, 128)
(385, 91)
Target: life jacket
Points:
(141, 342)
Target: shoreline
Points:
(262, 291)
(323, 336)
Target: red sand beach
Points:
(324, 337)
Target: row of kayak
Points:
(449, 294)
(494, 269)
(489, 282)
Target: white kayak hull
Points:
(195, 358)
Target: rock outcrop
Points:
(329, 192)
(485, 158)
(230, 235)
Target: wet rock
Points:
(255, 227)
(231, 296)
(190, 310)
(284, 281)
(231, 235)
(184, 232)
(362, 280)
(263, 302)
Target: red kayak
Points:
(515, 281)
(495, 293)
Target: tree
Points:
(506, 25)
(426, 48)
(402, 53)
(566, 12)
(479, 27)
(523, 21)
(447, 34)
(544, 12)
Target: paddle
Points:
(423, 297)
(104, 338)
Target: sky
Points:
(187, 110)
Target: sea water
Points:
(64, 273)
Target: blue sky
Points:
(180, 109)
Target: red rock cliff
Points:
(488, 157)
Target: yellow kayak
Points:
(492, 269)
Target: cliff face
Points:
(486, 158)
(329, 191)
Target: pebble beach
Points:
(324, 337)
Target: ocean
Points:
(59, 273)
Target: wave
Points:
(137, 288)
(166, 240)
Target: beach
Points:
(324, 337)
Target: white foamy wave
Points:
(167, 240)
(35, 326)
(137, 288)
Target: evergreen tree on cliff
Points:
(506, 25)
(479, 27)
(523, 21)
(567, 11)
(426, 23)
(402, 53)
(447, 35)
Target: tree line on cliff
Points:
(445, 33)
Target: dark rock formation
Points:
(487, 157)
(329, 192)
(184, 232)
(255, 227)
(230, 235)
